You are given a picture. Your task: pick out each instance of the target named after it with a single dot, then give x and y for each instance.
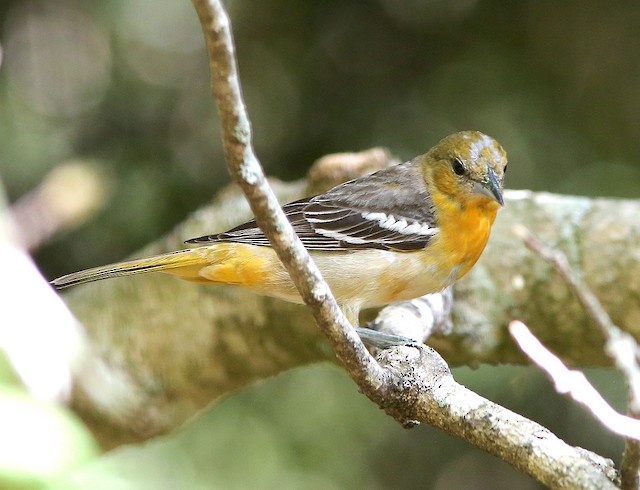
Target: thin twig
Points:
(573, 383)
(528, 446)
(70, 194)
(416, 384)
(247, 172)
(620, 346)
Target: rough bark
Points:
(413, 384)
(175, 347)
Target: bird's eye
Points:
(457, 166)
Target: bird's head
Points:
(467, 167)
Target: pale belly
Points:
(359, 279)
(367, 278)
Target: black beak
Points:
(490, 188)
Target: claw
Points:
(382, 340)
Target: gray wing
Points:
(388, 210)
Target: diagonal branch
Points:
(620, 346)
(416, 384)
(573, 383)
(247, 172)
(443, 403)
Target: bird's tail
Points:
(183, 263)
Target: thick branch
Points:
(401, 392)
(620, 346)
(441, 402)
(407, 397)
(177, 346)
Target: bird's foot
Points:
(382, 340)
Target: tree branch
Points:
(42, 343)
(441, 402)
(162, 349)
(247, 173)
(619, 346)
(401, 392)
(573, 383)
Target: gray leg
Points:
(382, 340)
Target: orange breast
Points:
(465, 232)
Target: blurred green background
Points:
(123, 85)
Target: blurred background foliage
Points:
(123, 86)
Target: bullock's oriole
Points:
(405, 231)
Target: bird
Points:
(408, 230)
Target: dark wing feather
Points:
(388, 210)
